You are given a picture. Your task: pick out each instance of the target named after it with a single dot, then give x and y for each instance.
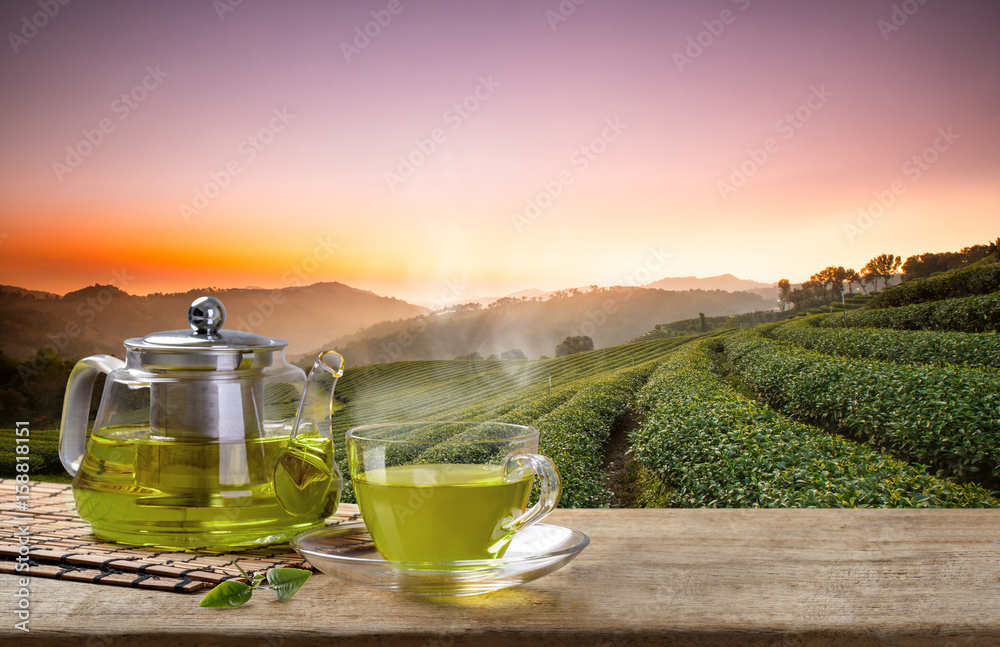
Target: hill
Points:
(38, 294)
(610, 316)
(726, 282)
(96, 319)
(766, 416)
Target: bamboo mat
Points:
(61, 546)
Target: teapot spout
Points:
(306, 478)
(316, 406)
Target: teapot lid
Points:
(205, 316)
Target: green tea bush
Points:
(528, 412)
(721, 449)
(970, 314)
(573, 435)
(945, 416)
(43, 453)
(968, 281)
(980, 350)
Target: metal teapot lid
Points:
(205, 316)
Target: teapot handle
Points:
(76, 407)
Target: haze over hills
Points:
(726, 282)
(98, 318)
(366, 327)
(609, 316)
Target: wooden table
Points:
(781, 578)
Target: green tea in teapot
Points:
(204, 438)
(137, 487)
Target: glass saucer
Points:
(348, 552)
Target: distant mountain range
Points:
(726, 282)
(367, 327)
(98, 318)
(609, 316)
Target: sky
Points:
(440, 151)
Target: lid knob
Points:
(206, 315)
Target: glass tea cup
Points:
(448, 491)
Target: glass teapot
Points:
(203, 439)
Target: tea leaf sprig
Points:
(285, 582)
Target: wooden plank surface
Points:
(781, 578)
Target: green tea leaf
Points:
(227, 595)
(286, 581)
(244, 573)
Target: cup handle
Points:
(549, 482)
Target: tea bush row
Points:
(968, 281)
(43, 453)
(574, 423)
(515, 411)
(721, 449)
(473, 389)
(901, 346)
(573, 435)
(945, 416)
(971, 314)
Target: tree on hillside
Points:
(994, 249)
(514, 353)
(834, 276)
(814, 290)
(572, 345)
(814, 281)
(887, 265)
(920, 266)
(852, 277)
(784, 292)
(883, 266)
(798, 296)
(924, 265)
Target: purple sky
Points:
(597, 149)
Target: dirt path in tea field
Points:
(617, 464)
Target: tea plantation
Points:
(895, 404)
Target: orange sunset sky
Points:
(413, 148)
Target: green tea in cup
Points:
(442, 492)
